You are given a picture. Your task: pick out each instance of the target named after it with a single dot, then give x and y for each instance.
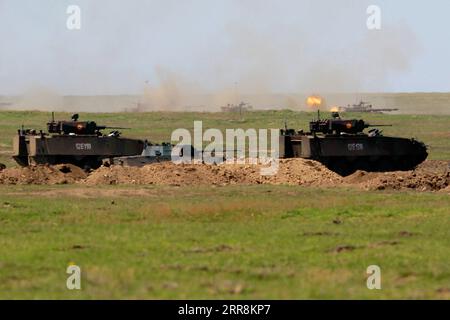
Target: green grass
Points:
(158, 126)
(268, 242)
(223, 242)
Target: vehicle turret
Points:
(336, 125)
(76, 127)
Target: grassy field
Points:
(222, 242)
(158, 126)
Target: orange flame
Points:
(314, 101)
(334, 109)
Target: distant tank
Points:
(5, 104)
(343, 146)
(239, 108)
(365, 107)
(77, 142)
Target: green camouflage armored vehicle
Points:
(77, 142)
(343, 146)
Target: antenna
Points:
(236, 94)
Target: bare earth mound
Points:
(58, 174)
(292, 171)
(430, 176)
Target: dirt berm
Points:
(292, 171)
(58, 174)
(430, 176)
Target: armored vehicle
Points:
(343, 146)
(77, 142)
(365, 107)
(152, 153)
(241, 107)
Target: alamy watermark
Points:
(73, 21)
(73, 281)
(233, 151)
(374, 19)
(374, 278)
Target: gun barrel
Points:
(107, 127)
(386, 109)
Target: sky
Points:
(204, 46)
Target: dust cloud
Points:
(259, 58)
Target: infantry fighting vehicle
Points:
(343, 146)
(77, 142)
